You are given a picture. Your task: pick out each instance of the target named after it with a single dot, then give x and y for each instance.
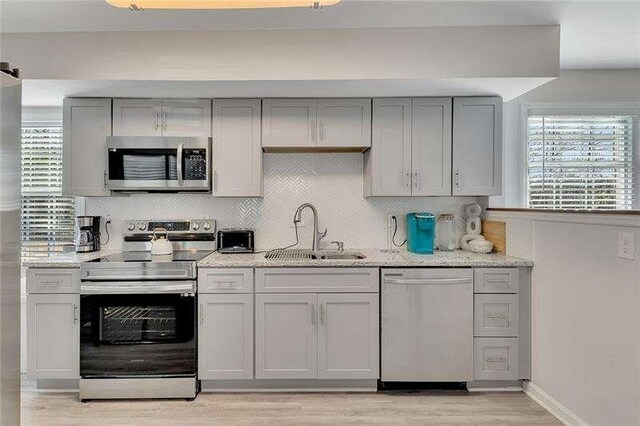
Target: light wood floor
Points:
(429, 407)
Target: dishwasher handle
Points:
(427, 281)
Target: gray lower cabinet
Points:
(348, 338)
(496, 358)
(53, 336)
(286, 336)
(225, 336)
(317, 336)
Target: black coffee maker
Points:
(87, 234)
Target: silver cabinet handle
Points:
(179, 162)
(497, 316)
(500, 359)
(104, 178)
(457, 178)
(75, 313)
(313, 130)
(313, 314)
(408, 179)
(52, 282)
(201, 314)
(157, 126)
(415, 179)
(322, 313)
(497, 281)
(321, 130)
(427, 281)
(164, 120)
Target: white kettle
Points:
(160, 245)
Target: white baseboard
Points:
(554, 407)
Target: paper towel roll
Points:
(464, 241)
(474, 226)
(473, 210)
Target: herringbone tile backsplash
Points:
(332, 182)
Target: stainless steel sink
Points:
(301, 254)
(342, 255)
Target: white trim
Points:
(490, 389)
(632, 221)
(559, 411)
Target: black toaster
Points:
(235, 240)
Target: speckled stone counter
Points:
(66, 260)
(374, 258)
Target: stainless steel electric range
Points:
(138, 315)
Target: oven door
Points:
(138, 335)
(158, 164)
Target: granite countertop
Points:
(374, 258)
(66, 260)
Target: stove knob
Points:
(207, 226)
(131, 227)
(195, 226)
(142, 226)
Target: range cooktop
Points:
(145, 256)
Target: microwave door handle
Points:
(179, 163)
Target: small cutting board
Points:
(496, 232)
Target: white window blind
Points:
(47, 218)
(580, 162)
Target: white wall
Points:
(332, 182)
(585, 312)
(584, 86)
(398, 53)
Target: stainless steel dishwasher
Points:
(427, 325)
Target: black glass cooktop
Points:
(145, 256)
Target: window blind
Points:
(580, 162)
(47, 217)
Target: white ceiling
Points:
(594, 34)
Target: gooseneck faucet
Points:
(317, 235)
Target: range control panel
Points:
(171, 225)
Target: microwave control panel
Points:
(195, 164)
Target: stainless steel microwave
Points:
(158, 164)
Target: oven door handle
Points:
(145, 287)
(179, 163)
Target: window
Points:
(47, 217)
(580, 162)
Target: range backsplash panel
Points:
(332, 182)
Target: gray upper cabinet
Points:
(86, 125)
(162, 117)
(288, 123)
(137, 117)
(431, 146)
(387, 165)
(330, 124)
(411, 149)
(344, 123)
(237, 153)
(477, 146)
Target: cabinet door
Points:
(286, 336)
(348, 336)
(225, 336)
(344, 123)
(87, 123)
(237, 152)
(477, 146)
(137, 117)
(387, 165)
(186, 117)
(53, 336)
(431, 146)
(289, 123)
(496, 315)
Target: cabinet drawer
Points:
(496, 280)
(317, 280)
(53, 280)
(495, 358)
(496, 315)
(225, 280)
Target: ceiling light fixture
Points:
(138, 5)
